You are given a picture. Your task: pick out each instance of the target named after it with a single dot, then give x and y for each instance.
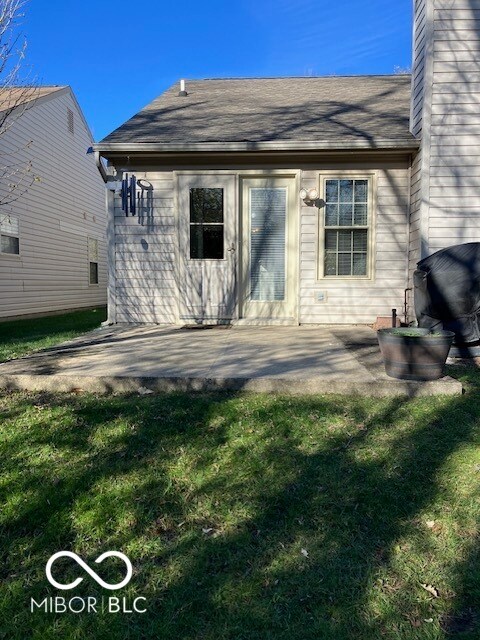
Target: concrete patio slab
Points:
(295, 360)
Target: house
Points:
(296, 200)
(52, 206)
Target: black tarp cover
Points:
(447, 291)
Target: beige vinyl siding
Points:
(418, 70)
(454, 177)
(145, 246)
(359, 300)
(447, 211)
(415, 226)
(57, 214)
(147, 261)
(420, 125)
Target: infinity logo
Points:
(85, 567)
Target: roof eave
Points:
(407, 144)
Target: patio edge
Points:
(446, 386)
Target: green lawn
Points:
(246, 517)
(21, 337)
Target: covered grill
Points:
(447, 292)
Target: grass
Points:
(21, 337)
(245, 516)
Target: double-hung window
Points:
(9, 235)
(347, 227)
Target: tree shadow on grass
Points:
(245, 516)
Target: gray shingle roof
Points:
(11, 97)
(275, 109)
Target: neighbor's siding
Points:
(145, 247)
(56, 216)
(356, 300)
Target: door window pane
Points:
(268, 216)
(206, 224)
(206, 205)
(206, 242)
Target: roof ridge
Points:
(333, 76)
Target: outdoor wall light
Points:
(309, 195)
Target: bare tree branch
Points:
(17, 94)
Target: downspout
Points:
(100, 167)
(111, 266)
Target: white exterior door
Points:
(269, 248)
(208, 248)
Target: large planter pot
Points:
(414, 354)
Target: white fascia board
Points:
(408, 144)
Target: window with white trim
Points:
(93, 260)
(347, 227)
(9, 235)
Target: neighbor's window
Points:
(9, 237)
(347, 222)
(93, 260)
(206, 224)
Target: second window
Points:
(346, 227)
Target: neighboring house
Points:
(52, 234)
(296, 200)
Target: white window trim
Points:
(371, 176)
(4, 254)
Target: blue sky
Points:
(117, 56)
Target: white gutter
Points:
(408, 144)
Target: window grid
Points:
(346, 227)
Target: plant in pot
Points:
(411, 353)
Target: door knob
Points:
(231, 248)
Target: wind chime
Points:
(129, 195)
